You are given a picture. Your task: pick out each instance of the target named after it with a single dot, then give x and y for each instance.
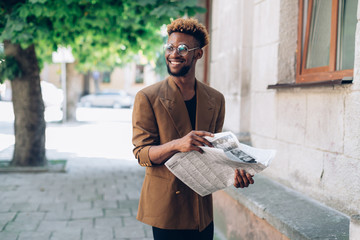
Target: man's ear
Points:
(199, 53)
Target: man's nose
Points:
(175, 52)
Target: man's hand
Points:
(160, 153)
(192, 141)
(242, 179)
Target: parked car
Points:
(115, 99)
(52, 95)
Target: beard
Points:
(183, 71)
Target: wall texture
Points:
(231, 60)
(316, 131)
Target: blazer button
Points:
(177, 192)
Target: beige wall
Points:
(316, 131)
(231, 60)
(52, 73)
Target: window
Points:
(106, 77)
(326, 42)
(139, 74)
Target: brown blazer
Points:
(159, 116)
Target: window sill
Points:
(345, 80)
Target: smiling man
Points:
(175, 115)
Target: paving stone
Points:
(68, 197)
(6, 217)
(82, 223)
(58, 215)
(49, 226)
(24, 207)
(67, 234)
(98, 234)
(111, 222)
(18, 226)
(8, 235)
(15, 197)
(88, 213)
(133, 204)
(133, 195)
(5, 207)
(48, 207)
(109, 197)
(34, 236)
(105, 204)
(131, 221)
(39, 196)
(117, 212)
(26, 221)
(90, 197)
(148, 230)
(41, 200)
(30, 216)
(134, 212)
(129, 232)
(78, 205)
(114, 190)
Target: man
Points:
(174, 116)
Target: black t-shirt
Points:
(191, 107)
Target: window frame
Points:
(324, 73)
(139, 74)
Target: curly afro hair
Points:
(192, 27)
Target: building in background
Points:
(289, 70)
(130, 78)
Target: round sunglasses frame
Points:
(182, 49)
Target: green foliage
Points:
(102, 33)
(160, 62)
(9, 68)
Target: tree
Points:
(98, 31)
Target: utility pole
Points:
(63, 55)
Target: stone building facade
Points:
(315, 128)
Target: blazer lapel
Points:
(174, 104)
(205, 108)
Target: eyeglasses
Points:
(182, 49)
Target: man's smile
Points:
(176, 61)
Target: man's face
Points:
(178, 65)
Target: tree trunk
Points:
(86, 86)
(74, 84)
(28, 108)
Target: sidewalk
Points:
(94, 199)
(97, 197)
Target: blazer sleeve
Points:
(145, 129)
(221, 116)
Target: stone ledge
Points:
(355, 227)
(291, 213)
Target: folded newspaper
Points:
(215, 168)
